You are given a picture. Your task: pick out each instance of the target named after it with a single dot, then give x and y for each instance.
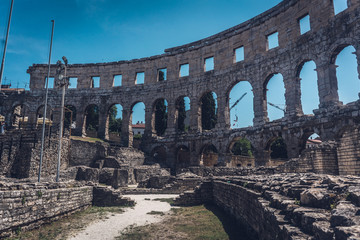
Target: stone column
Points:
(292, 96)
(260, 108)
(222, 112)
(103, 132)
(195, 121)
(327, 85)
(171, 119)
(357, 53)
(126, 134)
(79, 130)
(148, 121)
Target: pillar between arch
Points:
(328, 86)
(221, 112)
(126, 134)
(171, 119)
(292, 97)
(260, 108)
(357, 53)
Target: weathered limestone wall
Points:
(25, 206)
(349, 152)
(86, 153)
(20, 154)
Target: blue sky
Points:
(88, 31)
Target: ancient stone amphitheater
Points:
(276, 199)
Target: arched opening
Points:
(208, 110)
(275, 97)
(182, 157)
(182, 114)
(310, 139)
(158, 155)
(40, 116)
(309, 87)
(241, 153)
(241, 105)
(137, 128)
(209, 156)
(69, 118)
(278, 151)
(91, 121)
(347, 75)
(114, 123)
(160, 116)
(18, 117)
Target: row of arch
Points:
(240, 100)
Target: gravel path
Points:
(110, 228)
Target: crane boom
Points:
(237, 101)
(276, 106)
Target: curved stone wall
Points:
(329, 34)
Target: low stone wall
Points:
(28, 205)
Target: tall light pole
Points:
(62, 82)
(5, 46)
(46, 102)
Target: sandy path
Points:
(109, 228)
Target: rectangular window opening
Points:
(239, 54)
(162, 74)
(273, 40)
(339, 6)
(95, 82)
(140, 78)
(51, 83)
(73, 82)
(184, 70)
(209, 64)
(117, 80)
(304, 23)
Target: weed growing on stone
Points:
(167, 200)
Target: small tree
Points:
(114, 123)
(242, 147)
(208, 111)
(92, 118)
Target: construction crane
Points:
(276, 106)
(237, 101)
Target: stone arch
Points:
(242, 97)
(113, 124)
(91, 121)
(209, 156)
(182, 114)
(159, 117)
(182, 157)
(305, 76)
(208, 102)
(280, 104)
(309, 134)
(277, 150)
(159, 155)
(347, 80)
(241, 152)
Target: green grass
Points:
(61, 229)
(189, 223)
(168, 200)
(156, 213)
(86, 139)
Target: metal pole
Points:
(61, 127)
(6, 40)
(46, 101)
